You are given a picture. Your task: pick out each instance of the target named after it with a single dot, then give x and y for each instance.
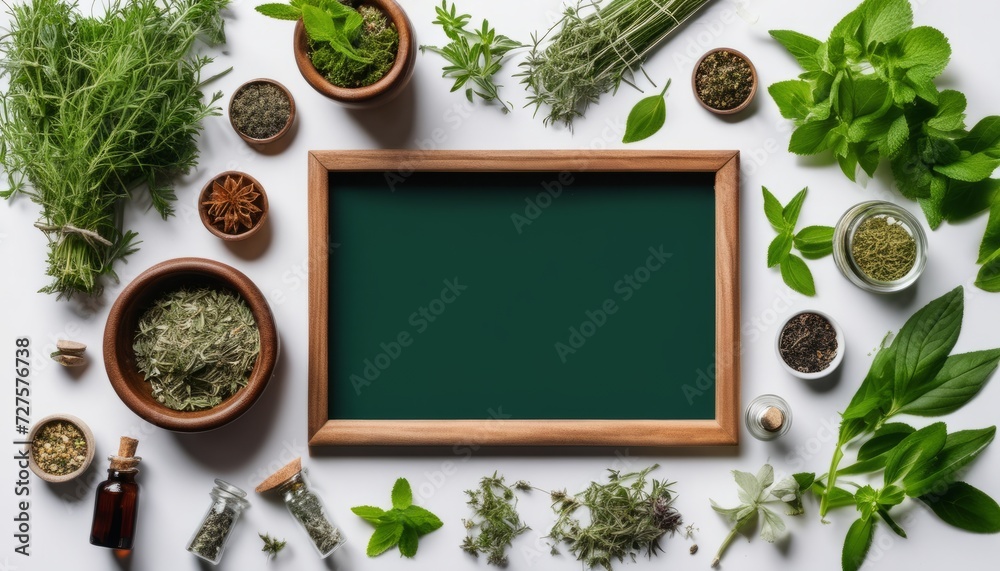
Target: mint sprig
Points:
(402, 525)
(813, 242)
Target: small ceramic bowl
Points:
(260, 202)
(841, 347)
(119, 334)
(88, 436)
(381, 91)
(284, 130)
(741, 106)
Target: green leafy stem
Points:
(868, 94)
(325, 21)
(813, 242)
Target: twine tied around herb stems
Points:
(89, 236)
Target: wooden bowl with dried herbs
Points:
(190, 344)
(261, 111)
(233, 206)
(62, 448)
(724, 81)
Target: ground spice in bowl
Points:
(808, 343)
(883, 249)
(59, 448)
(261, 110)
(724, 80)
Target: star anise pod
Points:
(231, 204)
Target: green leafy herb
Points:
(647, 117)
(812, 241)
(624, 518)
(196, 347)
(350, 48)
(402, 525)
(473, 57)
(593, 48)
(496, 519)
(917, 375)
(272, 546)
(97, 107)
(755, 492)
(867, 94)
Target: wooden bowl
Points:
(741, 106)
(261, 203)
(119, 333)
(382, 90)
(88, 436)
(284, 130)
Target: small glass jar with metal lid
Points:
(228, 503)
(880, 247)
(305, 506)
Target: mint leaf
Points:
(857, 543)
(796, 274)
(279, 11)
(772, 209)
(990, 245)
(814, 241)
(793, 97)
(972, 168)
(965, 507)
(319, 25)
(386, 536)
(802, 47)
(883, 20)
(984, 137)
(402, 495)
(988, 278)
(791, 211)
(421, 520)
(812, 137)
(779, 248)
(966, 199)
(369, 513)
(647, 117)
(408, 542)
(950, 116)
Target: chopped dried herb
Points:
(59, 448)
(211, 536)
(883, 250)
(496, 522)
(260, 110)
(724, 80)
(808, 343)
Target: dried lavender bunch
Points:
(625, 518)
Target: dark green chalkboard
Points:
(521, 295)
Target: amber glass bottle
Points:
(117, 502)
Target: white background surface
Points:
(178, 470)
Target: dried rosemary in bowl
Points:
(196, 347)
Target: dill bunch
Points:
(496, 522)
(593, 49)
(625, 518)
(96, 108)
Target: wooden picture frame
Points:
(722, 430)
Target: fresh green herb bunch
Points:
(755, 493)
(350, 47)
(474, 57)
(915, 375)
(196, 347)
(625, 518)
(867, 94)
(96, 108)
(594, 48)
(496, 518)
(813, 242)
(402, 525)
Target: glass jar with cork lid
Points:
(768, 417)
(305, 506)
(228, 503)
(880, 247)
(116, 507)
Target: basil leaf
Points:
(791, 211)
(779, 248)
(925, 340)
(856, 544)
(914, 450)
(965, 507)
(960, 379)
(960, 448)
(814, 241)
(990, 245)
(967, 199)
(989, 276)
(802, 47)
(647, 117)
(772, 209)
(885, 439)
(796, 274)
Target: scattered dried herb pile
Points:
(59, 448)
(260, 110)
(496, 522)
(196, 347)
(724, 80)
(808, 343)
(96, 108)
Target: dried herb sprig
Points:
(196, 347)
(496, 519)
(625, 518)
(272, 546)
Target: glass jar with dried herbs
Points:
(228, 503)
(305, 506)
(880, 247)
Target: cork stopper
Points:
(126, 458)
(281, 476)
(773, 419)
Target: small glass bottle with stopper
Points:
(209, 541)
(305, 506)
(117, 503)
(768, 417)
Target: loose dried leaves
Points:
(59, 448)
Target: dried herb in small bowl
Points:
(725, 81)
(261, 110)
(59, 448)
(808, 343)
